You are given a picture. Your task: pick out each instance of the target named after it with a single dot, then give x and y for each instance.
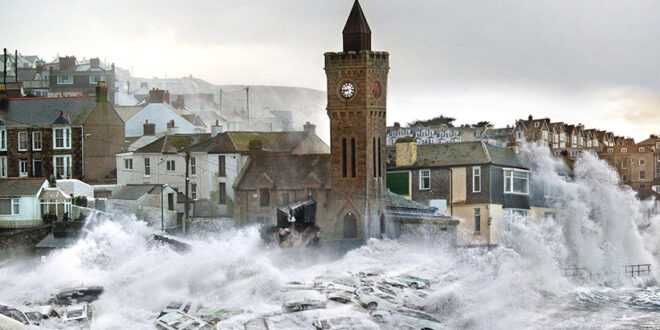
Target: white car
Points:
(181, 321)
(340, 296)
(413, 282)
(345, 323)
(298, 301)
(404, 318)
(374, 297)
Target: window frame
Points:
(222, 166)
(170, 165)
(477, 220)
(3, 167)
(14, 206)
(68, 81)
(128, 164)
(35, 139)
(193, 166)
(66, 138)
(511, 179)
(424, 174)
(222, 193)
(68, 170)
(147, 166)
(22, 136)
(476, 173)
(193, 191)
(23, 168)
(3, 139)
(264, 197)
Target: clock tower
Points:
(357, 108)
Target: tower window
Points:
(344, 165)
(374, 157)
(353, 157)
(380, 162)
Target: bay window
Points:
(62, 138)
(62, 166)
(10, 206)
(516, 181)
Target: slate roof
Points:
(133, 192)
(126, 112)
(286, 171)
(174, 143)
(20, 187)
(237, 142)
(44, 111)
(466, 153)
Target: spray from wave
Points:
(598, 225)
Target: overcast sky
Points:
(589, 61)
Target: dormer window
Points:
(62, 138)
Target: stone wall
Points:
(21, 241)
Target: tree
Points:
(483, 124)
(437, 121)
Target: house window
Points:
(641, 162)
(22, 141)
(62, 138)
(22, 168)
(610, 150)
(624, 150)
(222, 170)
(3, 139)
(642, 175)
(36, 141)
(10, 206)
(170, 201)
(516, 181)
(374, 158)
(544, 135)
(285, 198)
(476, 179)
(170, 165)
(36, 168)
(65, 79)
(424, 179)
(624, 163)
(62, 167)
(264, 197)
(3, 167)
(128, 163)
(477, 221)
(222, 193)
(193, 166)
(94, 79)
(511, 213)
(642, 149)
(147, 166)
(193, 191)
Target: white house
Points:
(156, 204)
(23, 202)
(215, 163)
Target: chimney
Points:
(94, 63)
(156, 96)
(67, 63)
(171, 127)
(397, 125)
(148, 129)
(216, 129)
(309, 128)
(180, 102)
(531, 117)
(101, 92)
(256, 145)
(406, 152)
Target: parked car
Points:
(404, 318)
(337, 283)
(345, 323)
(342, 297)
(413, 282)
(373, 297)
(85, 294)
(297, 301)
(181, 321)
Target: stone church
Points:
(351, 201)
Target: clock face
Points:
(347, 90)
(376, 89)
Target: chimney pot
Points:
(309, 128)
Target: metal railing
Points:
(637, 270)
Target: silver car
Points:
(298, 301)
(181, 321)
(404, 318)
(375, 297)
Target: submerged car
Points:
(298, 301)
(345, 323)
(404, 318)
(86, 294)
(374, 297)
(340, 296)
(181, 321)
(413, 282)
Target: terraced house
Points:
(67, 137)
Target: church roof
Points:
(286, 172)
(357, 33)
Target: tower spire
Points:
(357, 33)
